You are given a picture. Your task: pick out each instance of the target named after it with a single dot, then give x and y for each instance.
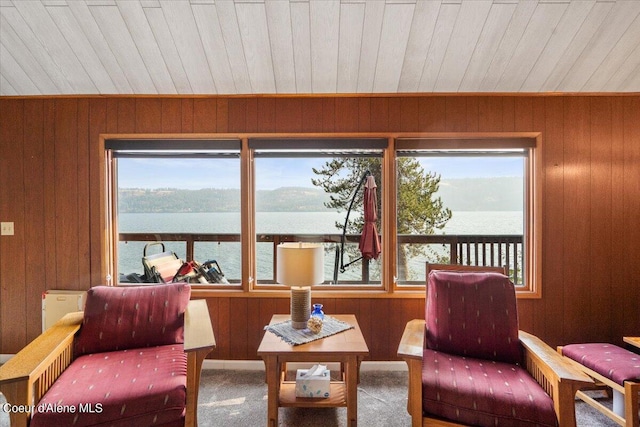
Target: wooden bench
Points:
(612, 367)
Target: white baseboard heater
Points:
(57, 303)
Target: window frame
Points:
(389, 287)
(532, 232)
(325, 146)
(128, 146)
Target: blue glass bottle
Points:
(317, 311)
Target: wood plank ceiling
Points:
(50, 47)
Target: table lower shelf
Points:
(337, 396)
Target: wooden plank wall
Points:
(49, 180)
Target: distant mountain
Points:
(482, 194)
(219, 200)
(296, 199)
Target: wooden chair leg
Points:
(566, 409)
(195, 360)
(17, 393)
(414, 398)
(631, 390)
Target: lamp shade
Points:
(300, 264)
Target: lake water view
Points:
(228, 254)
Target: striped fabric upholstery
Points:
(137, 387)
(483, 393)
(130, 367)
(610, 361)
(118, 318)
(471, 371)
(473, 314)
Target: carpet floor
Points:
(231, 398)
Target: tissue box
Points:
(316, 385)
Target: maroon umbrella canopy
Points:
(369, 241)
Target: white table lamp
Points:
(300, 266)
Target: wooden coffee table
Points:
(348, 348)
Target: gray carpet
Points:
(239, 398)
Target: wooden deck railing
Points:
(484, 250)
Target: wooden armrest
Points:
(412, 341)
(28, 375)
(560, 379)
(198, 332)
(198, 343)
(555, 364)
(32, 360)
(411, 349)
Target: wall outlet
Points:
(6, 228)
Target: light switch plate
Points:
(6, 228)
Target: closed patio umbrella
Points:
(369, 242)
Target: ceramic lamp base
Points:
(300, 306)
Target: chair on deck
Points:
(469, 364)
(161, 267)
(132, 358)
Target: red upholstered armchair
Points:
(469, 364)
(132, 358)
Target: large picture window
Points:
(180, 197)
(465, 199)
(303, 191)
(469, 202)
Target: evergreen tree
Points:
(419, 211)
